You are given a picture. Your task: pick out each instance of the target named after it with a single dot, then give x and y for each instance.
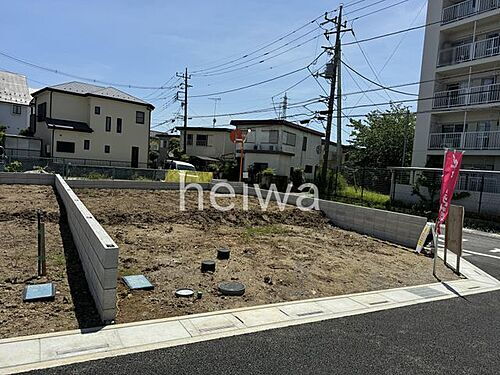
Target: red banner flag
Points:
(451, 169)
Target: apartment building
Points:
(207, 144)
(91, 124)
(14, 102)
(281, 145)
(459, 104)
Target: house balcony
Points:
(468, 96)
(470, 51)
(482, 140)
(467, 9)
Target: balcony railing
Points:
(486, 140)
(470, 51)
(471, 96)
(468, 8)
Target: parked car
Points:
(179, 165)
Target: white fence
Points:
(468, 8)
(487, 140)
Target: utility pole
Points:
(339, 106)
(334, 71)
(186, 77)
(407, 126)
(285, 105)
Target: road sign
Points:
(237, 135)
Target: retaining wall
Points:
(98, 252)
(26, 178)
(390, 226)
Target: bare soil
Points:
(279, 255)
(73, 306)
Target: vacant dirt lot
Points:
(18, 266)
(279, 256)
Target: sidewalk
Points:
(55, 349)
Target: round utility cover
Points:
(208, 266)
(223, 253)
(184, 292)
(232, 288)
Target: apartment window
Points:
(163, 143)
(118, 125)
(97, 110)
(107, 149)
(16, 109)
(190, 139)
(67, 147)
(308, 169)
(42, 112)
(273, 136)
(86, 144)
(201, 140)
(304, 144)
(289, 139)
(139, 117)
(108, 123)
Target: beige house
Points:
(207, 144)
(90, 124)
(280, 145)
(459, 98)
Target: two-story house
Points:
(102, 125)
(160, 142)
(281, 145)
(207, 143)
(459, 99)
(14, 102)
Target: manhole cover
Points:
(39, 292)
(232, 288)
(137, 282)
(184, 292)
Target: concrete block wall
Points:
(26, 178)
(98, 252)
(125, 184)
(390, 226)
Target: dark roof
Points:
(206, 129)
(250, 151)
(54, 123)
(272, 122)
(86, 89)
(14, 89)
(154, 133)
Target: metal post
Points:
(42, 268)
(435, 239)
(481, 195)
(362, 182)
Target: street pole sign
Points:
(453, 234)
(239, 136)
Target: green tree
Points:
(379, 139)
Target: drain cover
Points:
(137, 282)
(39, 292)
(232, 288)
(184, 292)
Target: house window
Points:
(289, 139)
(118, 125)
(42, 112)
(308, 169)
(86, 144)
(108, 123)
(97, 110)
(190, 139)
(107, 149)
(68, 147)
(273, 136)
(304, 144)
(163, 143)
(139, 117)
(16, 109)
(201, 140)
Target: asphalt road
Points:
(456, 336)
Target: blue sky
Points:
(147, 42)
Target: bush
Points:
(268, 172)
(96, 176)
(15, 166)
(297, 177)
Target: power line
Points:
(366, 6)
(380, 10)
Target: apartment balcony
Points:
(466, 97)
(485, 140)
(470, 51)
(467, 9)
